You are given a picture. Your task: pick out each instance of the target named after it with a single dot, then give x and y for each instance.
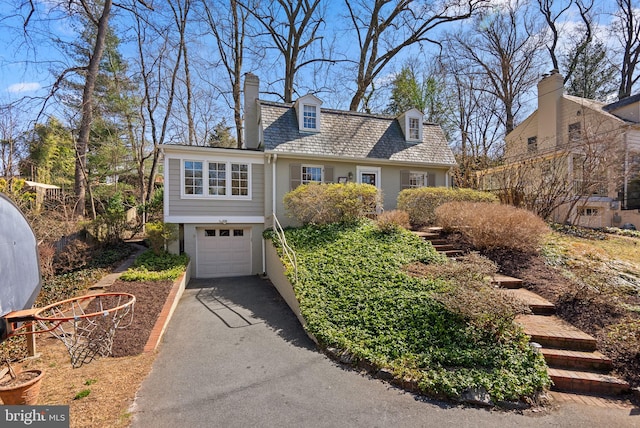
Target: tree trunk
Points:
(81, 181)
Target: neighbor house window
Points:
(222, 179)
(575, 133)
(589, 212)
(310, 117)
(311, 173)
(193, 178)
(414, 128)
(532, 144)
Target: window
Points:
(238, 232)
(414, 128)
(532, 144)
(224, 232)
(222, 179)
(217, 178)
(209, 232)
(193, 178)
(239, 179)
(309, 116)
(421, 179)
(575, 133)
(589, 212)
(311, 173)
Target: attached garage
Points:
(223, 251)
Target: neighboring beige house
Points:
(223, 199)
(575, 157)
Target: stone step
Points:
(565, 359)
(552, 332)
(587, 382)
(505, 281)
(538, 305)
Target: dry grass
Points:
(112, 382)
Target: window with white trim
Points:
(421, 179)
(239, 179)
(311, 173)
(217, 178)
(414, 128)
(192, 178)
(222, 180)
(589, 212)
(309, 117)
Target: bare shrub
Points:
(468, 291)
(390, 221)
(330, 203)
(76, 253)
(422, 202)
(46, 254)
(490, 226)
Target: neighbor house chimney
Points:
(251, 93)
(550, 90)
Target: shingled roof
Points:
(351, 135)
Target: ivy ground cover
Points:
(355, 296)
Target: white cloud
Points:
(23, 87)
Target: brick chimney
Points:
(550, 90)
(251, 93)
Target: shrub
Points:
(390, 221)
(160, 234)
(422, 202)
(110, 226)
(150, 266)
(490, 226)
(331, 203)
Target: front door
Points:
(369, 175)
(368, 178)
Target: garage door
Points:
(223, 251)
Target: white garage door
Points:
(223, 251)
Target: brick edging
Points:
(167, 311)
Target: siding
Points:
(389, 181)
(215, 207)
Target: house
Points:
(223, 199)
(573, 159)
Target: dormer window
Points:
(411, 124)
(308, 112)
(309, 117)
(414, 128)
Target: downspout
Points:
(273, 189)
(626, 171)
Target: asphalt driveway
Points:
(235, 356)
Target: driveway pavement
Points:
(235, 356)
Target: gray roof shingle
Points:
(351, 135)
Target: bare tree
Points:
(230, 33)
(10, 142)
(626, 28)
(504, 47)
(384, 28)
(294, 28)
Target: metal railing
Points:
(286, 249)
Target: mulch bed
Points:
(150, 298)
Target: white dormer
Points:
(411, 124)
(308, 111)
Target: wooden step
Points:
(580, 360)
(426, 235)
(434, 229)
(552, 332)
(438, 241)
(538, 305)
(587, 382)
(443, 247)
(452, 253)
(505, 281)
